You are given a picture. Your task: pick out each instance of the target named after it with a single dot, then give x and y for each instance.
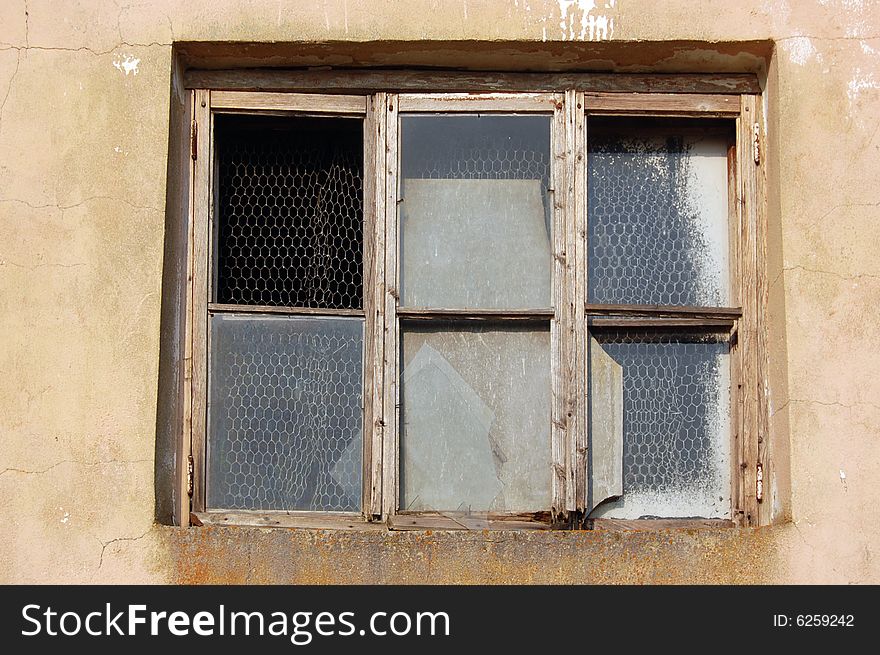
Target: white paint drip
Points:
(577, 20)
(800, 50)
(126, 63)
(861, 82)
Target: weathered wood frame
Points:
(571, 317)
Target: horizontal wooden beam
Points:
(662, 322)
(359, 80)
(662, 104)
(299, 102)
(482, 102)
(463, 521)
(266, 519)
(629, 525)
(663, 311)
(219, 308)
(475, 315)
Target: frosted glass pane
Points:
(475, 212)
(658, 213)
(285, 413)
(475, 420)
(676, 424)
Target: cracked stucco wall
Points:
(84, 131)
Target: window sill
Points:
(435, 521)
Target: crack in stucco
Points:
(6, 262)
(841, 276)
(73, 461)
(9, 88)
(833, 404)
(105, 544)
(81, 202)
(97, 53)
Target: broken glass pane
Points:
(676, 423)
(658, 212)
(475, 213)
(475, 420)
(289, 211)
(285, 413)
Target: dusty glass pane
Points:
(658, 212)
(289, 211)
(475, 211)
(676, 424)
(475, 420)
(285, 413)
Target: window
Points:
(473, 309)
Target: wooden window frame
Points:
(570, 99)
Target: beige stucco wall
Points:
(85, 90)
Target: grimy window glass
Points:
(659, 236)
(285, 391)
(475, 419)
(658, 212)
(475, 214)
(675, 390)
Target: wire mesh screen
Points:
(290, 211)
(285, 413)
(658, 212)
(474, 213)
(676, 405)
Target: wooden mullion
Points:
(201, 219)
(373, 263)
(559, 349)
(748, 331)
(762, 291)
(390, 354)
(579, 435)
(283, 519)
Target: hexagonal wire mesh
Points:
(290, 211)
(658, 217)
(285, 413)
(676, 407)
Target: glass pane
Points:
(290, 211)
(475, 420)
(285, 413)
(658, 214)
(676, 424)
(475, 215)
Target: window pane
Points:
(475, 419)
(676, 424)
(290, 211)
(475, 216)
(285, 413)
(658, 213)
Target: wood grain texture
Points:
(202, 208)
(663, 104)
(481, 102)
(357, 80)
(391, 386)
(219, 308)
(275, 519)
(298, 102)
(748, 331)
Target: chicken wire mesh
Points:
(657, 205)
(290, 211)
(474, 147)
(676, 404)
(285, 413)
